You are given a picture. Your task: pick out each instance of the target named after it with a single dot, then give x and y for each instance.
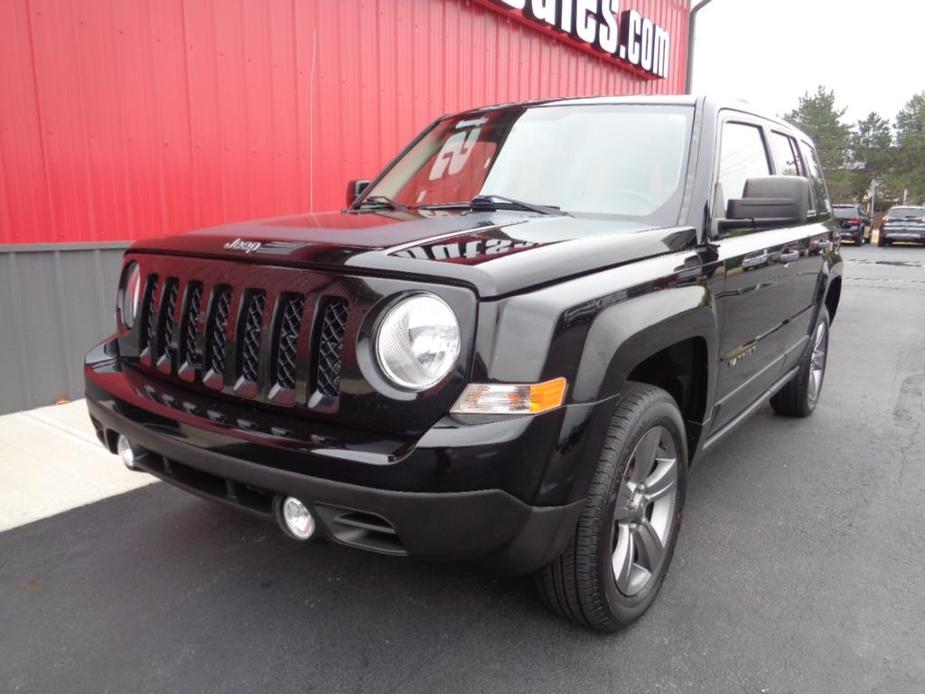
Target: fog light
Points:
(297, 520)
(126, 452)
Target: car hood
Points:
(495, 253)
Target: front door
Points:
(762, 266)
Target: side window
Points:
(786, 155)
(820, 192)
(742, 156)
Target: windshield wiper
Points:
(487, 202)
(383, 201)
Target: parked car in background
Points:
(854, 222)
(903, 223)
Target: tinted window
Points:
(903, 212)
(742, 156)
(820, 193)
(784, 152)
(843, 212)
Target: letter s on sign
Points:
(607, 34)
(586, 20)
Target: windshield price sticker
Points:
(625, 37)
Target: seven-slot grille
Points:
(247, 357)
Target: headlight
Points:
(418, 342)
(129, 295)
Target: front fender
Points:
(624, 335)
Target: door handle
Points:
(789, 256)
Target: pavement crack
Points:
(908, 414)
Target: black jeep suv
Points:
(854, 221)
(509, 348)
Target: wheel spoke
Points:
(662, 480)
(648, 545)
(816, 383)
(820, 334)
(623, 559)
(646, 450)
(622, 505)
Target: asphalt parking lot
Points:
(799, 569)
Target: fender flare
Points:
(624, 335)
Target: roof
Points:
(708, 103)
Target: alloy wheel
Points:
(817, 362)
(644, 514)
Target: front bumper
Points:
(477, 491)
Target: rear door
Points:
(820, 237)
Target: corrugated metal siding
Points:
(121, 120)
(55, 304)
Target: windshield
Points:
(841, 211)
(906, 212)
(627, 161)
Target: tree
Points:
(818, 117)
(871, 153)
(910, 145)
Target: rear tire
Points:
(801, 394)
(612, 570)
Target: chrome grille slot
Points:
(191, 332)
(289, 323)
(333, 324)
(168, 324)
(216, 331)
(250, 328)
(146, 326)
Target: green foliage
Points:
(872, 153)
(910, 145)
(817, 116)
(854, 155)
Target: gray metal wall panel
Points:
(54, 306)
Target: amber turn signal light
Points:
(511, 398)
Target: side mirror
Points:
(355, 189)
(770, 201)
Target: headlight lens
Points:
(130, 295)
(418, 342)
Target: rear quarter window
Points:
(821, 201)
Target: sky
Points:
(769, 52)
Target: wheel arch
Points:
(833, 296)
(663, 339)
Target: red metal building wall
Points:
(122, 119)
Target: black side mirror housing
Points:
(770, 201)
(355, 189)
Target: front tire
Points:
(801, 394)
(625, 537)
